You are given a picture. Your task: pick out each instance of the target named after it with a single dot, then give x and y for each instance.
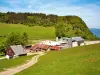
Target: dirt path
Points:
(91, 42)
(86, 43)
(12, 71)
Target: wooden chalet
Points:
(55, 48)
(39, 47)
(16, 50)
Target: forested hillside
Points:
(69, 25)
(29, 19)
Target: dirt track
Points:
(12, 71)
(86, 43)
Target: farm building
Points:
(77, 41)
(65, 42)
(49, 42)
(55, 48)
(16, 50)
(28, 46)
(59, 44)
(71, 42)
(44, 47)
(39, 47)
(34, 48)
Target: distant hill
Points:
(96, 31)
(71, 25)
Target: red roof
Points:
(55, 48)
(43, 46)
(46, 46)
(34, 47)
(40, 46)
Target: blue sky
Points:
(88, 10)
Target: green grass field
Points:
(1, 56)
(5, 63)
(36, 32)
(83, 60)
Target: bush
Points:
(16, 39)
(2, 49)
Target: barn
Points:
(55, 48)
(78, 40)
(39, 47)
(15, 50)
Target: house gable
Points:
(10, 52)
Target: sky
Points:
(88, 10)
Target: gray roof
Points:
(18, 49)
(65, 38)
(77, 39)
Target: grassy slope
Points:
(5, 63)
(1, 56)
(76, 61)
(35, 32)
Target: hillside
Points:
(34, 33)
(96, 32)
(70, 25)
(83, 60)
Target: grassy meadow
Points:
(5, 63)
(35, 32)
(83, 60)
(1, 56)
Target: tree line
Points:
(29, 19)
(66, 26)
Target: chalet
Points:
(49, 42)
(35, 48)
(71, 42)
(64, 41)
(78, 40)
(55, 48)
(39, 47)
(16, 50)
(44, 47)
